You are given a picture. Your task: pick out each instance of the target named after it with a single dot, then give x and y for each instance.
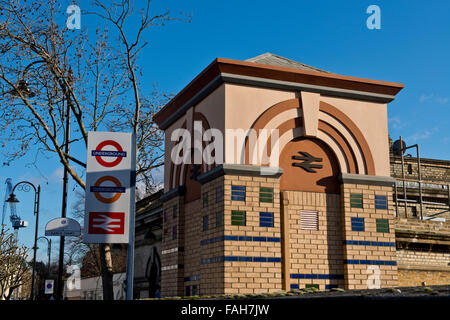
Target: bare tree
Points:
(45, 67)
(14, 270)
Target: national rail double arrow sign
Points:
(307, 164)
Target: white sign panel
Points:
(111, 162)
(49, 284)
(63, 227)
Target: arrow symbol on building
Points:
(307, 164)
(106, 223)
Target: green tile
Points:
(238, 218)
(356, 200)
(311, 285)
(266, 195)
(382, 225)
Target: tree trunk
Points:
(107, 271)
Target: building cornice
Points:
(350, 178)
(253, 74)
(241, 170)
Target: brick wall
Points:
(172, 256)
(423, 253)
(252, 253)
(422, 226)
(436, 171)
(369, 250)
(411, 258)
(206, 243)
(192, 253)
(411, 278)
(314, 254)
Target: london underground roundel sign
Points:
(117, 190)
(117, 155)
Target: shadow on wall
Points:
(153, 274)
(335, 248)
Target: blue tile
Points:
(237, 198)
(336, 277)
(270, 239)
(266, 224)
(371, 262)
(294, 286)
(230, 258)
(244, 238)
(259, 239)
(273, 259)
(245, 259)
(259, 259)
(231, 238)
(238, 188)
(193, 278)
(331, 286)
(266, 214)
(369, 243)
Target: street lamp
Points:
(22, 90)
(49, 250)
(26, 186)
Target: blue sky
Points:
(412, 47)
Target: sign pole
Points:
(60, 282)
(130, 255)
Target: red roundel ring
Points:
(109, 143)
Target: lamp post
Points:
(22, 90)
(49, 250)
(59, 282)
(26, 186)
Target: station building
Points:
(324, 215)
